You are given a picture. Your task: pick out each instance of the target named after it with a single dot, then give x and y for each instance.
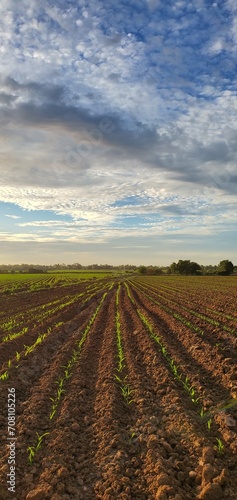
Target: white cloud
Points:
(12, 216)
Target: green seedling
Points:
(202, 412)
(209, 422)
(192, 394)
(220, 446)
(40, 440)
(67, 374)
(53, 411)
(17, 355)
(218, 344)
(31, 450)
(118, 379)
(60, 382)
(132, 437)
(196, 400)
(4, 376)
(59, 392)
(126, 391)
(175, 371)
(60, 323)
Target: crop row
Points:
(42, 336)
(205, 414)
(170, 311)
(168, 294)
(177, 372)
(121, 377)
(186, 321)
(66, 375)
(220, 292)
(41, 313)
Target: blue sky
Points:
(118, 131)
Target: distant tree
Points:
(194, 268)
(185, 267)
(225, 268)
(150, 270)
(35, 270)
(142, 270)
(208, 270)
(130, 267)
(158, 270)
(173, 268)
(74, 266)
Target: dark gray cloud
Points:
(120, 136)
(45, 92)
(6, 99)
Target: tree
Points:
(173, 268)
(158, 270)
(142, 269)
(225, 268)
(185, 267)
(209, 270)
(35, 270)
(194, 268)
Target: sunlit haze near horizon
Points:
(118, 131)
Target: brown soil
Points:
(99, 445)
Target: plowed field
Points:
(124, 389)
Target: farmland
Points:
(125, 386)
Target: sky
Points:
(118, 131)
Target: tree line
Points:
(187, 267)
(182, 267)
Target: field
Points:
(119, 387)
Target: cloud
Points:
(102, 101)
(80, 139)
(12, 216)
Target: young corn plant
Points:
(56, 400)
(53, 409)
(127, 393)
(129, 293)
(118, 379)
(121, 357)
(33, 449)
(18, 355)
(220, 446)
(15, 335)
(209, 422)
(132, 437)
(202, 412)
(29, 349)
(4, 375)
